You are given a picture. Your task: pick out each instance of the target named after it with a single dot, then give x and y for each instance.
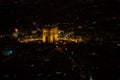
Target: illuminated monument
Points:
(50, 34)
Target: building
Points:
(50, 34)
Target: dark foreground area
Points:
(71, 61)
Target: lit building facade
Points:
(50, 35)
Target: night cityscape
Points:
(59, 39)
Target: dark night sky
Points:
(14, 12)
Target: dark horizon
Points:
(22, 13)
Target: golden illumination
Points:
(16, 30)
(50, 35)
